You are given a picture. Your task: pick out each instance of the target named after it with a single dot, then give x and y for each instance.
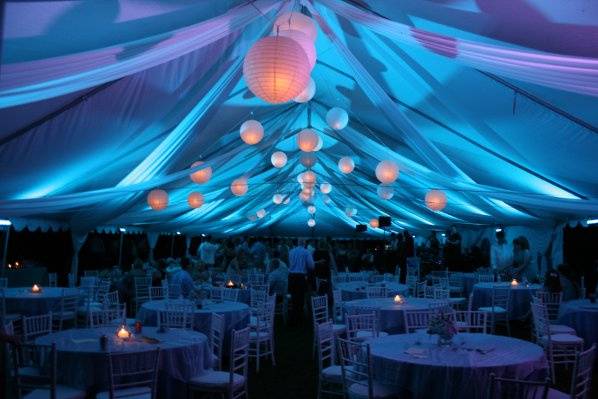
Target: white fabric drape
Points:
(152, 240)
(78, 239)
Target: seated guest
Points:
(181, 277)
(278, 277)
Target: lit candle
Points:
(35, 288)
(514, 283)
(398, 299)
(230, 283)
(123, 333)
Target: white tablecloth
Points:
(82, 363)
(458, 371)
(582, 315)
(23, 301)
(521, 296)
(356, 289)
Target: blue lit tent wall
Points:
(102, 102)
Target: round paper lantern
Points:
(261, 213)
(239, 186)
(307, 140)
(296, 21)
(202, 175)
(308, 159)
(311, 209)
(436, 200)
(387, 172)
(308, 178)
(311, 222)
(252, 132)
(287, 200)
(252, 218)
(346, 165)
(195, 199)
(350, 212)
(325, 188)
(385, 192)
(326, 199)
(303, 196)
(308, 93)
(276, 69)
(337, 118)
(374, 223)
(277, 199)
(278, 159)
(157, 199)
(307, 189)
(306, 44)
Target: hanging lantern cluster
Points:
(305, 42)
(346, 165)
(195, 200)
(436, 200)
(337, 118)
(278, 159)
(239, 187)
(157, 199)
(387, 172)
(202, 175)
(252, 132)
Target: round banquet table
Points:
(82, 364)
(22, 300)
(390, 314)
(236, 315)
(356, 289)
(582, 315)
(415, 363)
(521, 296)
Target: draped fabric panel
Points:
(78, 239)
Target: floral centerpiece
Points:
(442, 325)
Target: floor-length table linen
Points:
(581, 315)
(22, 301)
(521, 296)
(357, 289)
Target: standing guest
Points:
(433, 246)
(181, 277)
(452, 248)
(283, 250)
(258, 254)
(301, 262)
(501, 253)
(522, 260)
(207, 252)
(409, 244)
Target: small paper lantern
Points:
(385, 192)
(304, 197)
(325, 188)
(326, 199)
(436, 200)
(239, 186)
(252, 132)
(308, 159)
(374, 223)
(278, 159)
(311, 222)
(311, 209)
(276, 69)
(337, 118)
(296, 21)
(287, 200)
(387, 172)
(308, 179)
(261, 213)
(350, 212)
(195, 199)
(306, 44)
(346, 165)
(307, 140)
(277, 199)
(157, 199)
(308, 93)
(202, 175)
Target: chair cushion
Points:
(338, 328)
(491, 309)
(561, 329)
(129, 393)
(333, 374)
(216, 380)
(360, 391)
(563, 339)
(252, 321)
(554, 394)
(262, 335)
(365, 334)
(62, 392)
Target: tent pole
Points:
(5, 251)
(120, 250)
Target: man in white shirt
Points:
(501, 253)
(300, 263)
(207, 252)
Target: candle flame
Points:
(514, 282)
(35, 288)
(123, 333)
(398, 299)
(230, 283)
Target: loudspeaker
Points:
(384, 221)
(360, 228)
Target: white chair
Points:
(158, 293)
(217, 339)
(412, 285)
(261, 337)
(176, 316)
(67, 311)
(4, 316)
(52, 280)
(552, 301)
(357, 372)
(376, 292)
(108, 317)
(471, 321)
(581, 382)
(230, 294)
(132, 375)
(500, 388)
(36, 326)
(231, 384)
(376, 278)
(485, 277)
(417, 320)
(330, 378)
(499, 310)
(554, 328)
(111, 300)
(320, 314)
(43, 384)
(142, 286)
(337, 305)
(362, 326)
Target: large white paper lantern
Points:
(278, 159)
(311, 209)
(202, 175)
(157, 199)
(307, 140)
(296, 21)
(308, 178)
(346, 165)
(239, 186)
(306, 44)
(252, 132)
(387, 171)
(385, 192)
(337, 118)
(277, 199)
(308, 93)
(349, 211)
(195, 199)
(308, 159)
(276, 69)
(311, 222)
(436, 200)
(374, 223)
(261, 213)
(325, 188)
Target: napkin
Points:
(83, 340)
(421, 353)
